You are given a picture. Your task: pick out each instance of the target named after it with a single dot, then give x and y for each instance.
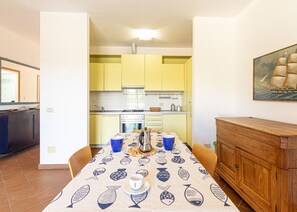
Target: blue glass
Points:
(116, 143)
(168, 142)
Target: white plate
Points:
(129, 190)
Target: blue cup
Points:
(116, 143)
(168, 142)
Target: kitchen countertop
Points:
(107, 112)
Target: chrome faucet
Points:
(99, 107)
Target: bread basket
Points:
(155, 109)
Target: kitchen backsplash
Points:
(134, 99)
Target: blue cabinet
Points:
(3, 132)
(18, 130)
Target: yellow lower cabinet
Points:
(173, 77)
(176, 123)
(95, 129)
(96, 76)
(153, 122)
(110, 127)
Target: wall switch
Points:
(51, 149)
(207, 146)
(49, 109)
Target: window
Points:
(9, 85)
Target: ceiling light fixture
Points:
(144, 34)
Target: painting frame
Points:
(275, 75)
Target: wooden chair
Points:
(79, 159)
(206, 157)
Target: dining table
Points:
(173, 181)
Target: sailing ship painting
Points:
(275, 75)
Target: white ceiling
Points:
(112, 21)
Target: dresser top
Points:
(271, 127)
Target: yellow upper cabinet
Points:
(133, 70)
(172, 77)
(153, 69)
(96, 76)
(112, 77)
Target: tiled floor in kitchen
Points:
(25, 188)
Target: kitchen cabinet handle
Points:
(236, 166)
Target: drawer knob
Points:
(236, 165)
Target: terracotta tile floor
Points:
(25, 188)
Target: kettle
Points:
(145, 140)
(172, 107)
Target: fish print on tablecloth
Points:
(161, 151)
(219, 193)
(92, 160)
(143, 160)
(101, 151)
(126, 160)
(161, 160)
(159, 144)
(143, 172)
(106, 159)
(138, 198)
(96, 173)
(202, 170)
(79, 195)
(163, 175)
(134, 143)
(57, 197)
(118, 175)
(183, 174)
(107, 198)
(175, 151)
(193, 158)
(193, 196)
(178, 159)
(166, 197)
(188, 150)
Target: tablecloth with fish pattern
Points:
(178, 182)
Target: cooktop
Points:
(133, 110)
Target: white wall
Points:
(213, 74)
(121, 100)
(262, 28)
(109, 50)
(64, 59)
(28, 81)
(14, 47)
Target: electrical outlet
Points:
(51, 149)
(207, 146)
(49, 109)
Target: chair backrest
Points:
(79, 159)
(206, 157)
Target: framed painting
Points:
(275, 75)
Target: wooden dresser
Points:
(258, 158)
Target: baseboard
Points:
(53, 166)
